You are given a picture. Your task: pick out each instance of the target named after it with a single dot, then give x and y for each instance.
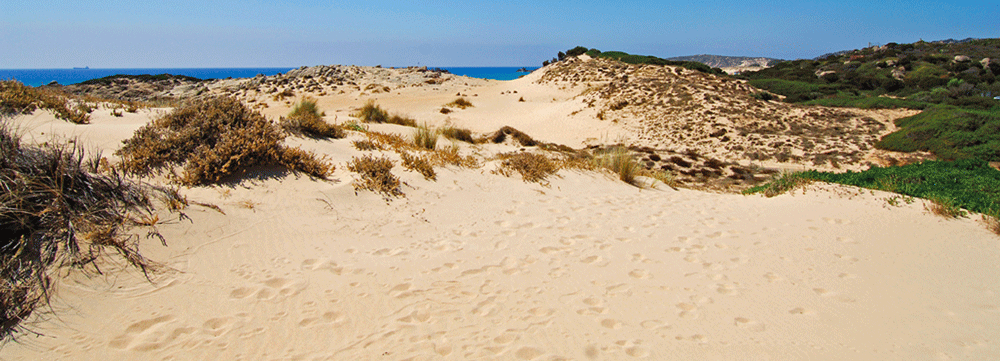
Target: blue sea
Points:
(36, 77)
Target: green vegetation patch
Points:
(970, 183)
(948, 132)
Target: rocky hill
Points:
(731, 64)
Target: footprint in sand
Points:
(801, 311)
(611, 323)
(640, 274)
(591, 259)
(528, 353)
(750, 325)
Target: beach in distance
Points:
(591, 209)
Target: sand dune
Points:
(481, 266)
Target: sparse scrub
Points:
(532, 167)
(17, 98)
(460, 103)
(366, 145)
(451, 156)
(59, 210)
(419, 164)
(376, 175)
(781, 183)
(212, 139)
(425, 137)
(391, 141)
(305, 118)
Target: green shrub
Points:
(577, 51)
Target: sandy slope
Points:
(480, 266)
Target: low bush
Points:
(59, 209)
(500, 135)
(211, 139)
(376, 175)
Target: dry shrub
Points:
(523, 139)
(445, 111)
(424, 137)
(402, 120)
(460, 103)
(366, 145)
(387, 140)
(58, 210)
(451, 156)
(17, 98)
(419, 164)
(461, 134)
(376, 175)
(211, 139)
(533, 167)
(305, 118)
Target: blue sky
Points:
(256, 33)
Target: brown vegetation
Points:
(305, 118)
(376, 175)
(212, 139)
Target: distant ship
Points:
(83, 68)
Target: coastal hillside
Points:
(721, 117)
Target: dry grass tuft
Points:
(460, 134)
(305, 118)
(376, 175)
(619, 161)
(451, 156)
(424, 137)
(533, 167)
(419, 164)
(992, 221)
(57, 210)
(212, 139)
(371, 113)
(460, 103)
(392, 141)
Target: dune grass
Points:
(212, 139)
(373, 113)
(455, 133)
(62, 209)
(425, 137)
(306, 119)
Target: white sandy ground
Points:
(480, 266)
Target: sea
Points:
(37, 77)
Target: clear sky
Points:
(268, 33)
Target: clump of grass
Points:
(376, 175)
(992, 221)
(619, 161)
(211, 139)
(460, 103)
(424, 137)
(419, 164)
(532, 167)
(944, 206)
(781, 183)
(402, 120)
(371, 113)
(58, 209)
(523, 139)
(305, 118)
(455, 133)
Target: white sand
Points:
(480, 266)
